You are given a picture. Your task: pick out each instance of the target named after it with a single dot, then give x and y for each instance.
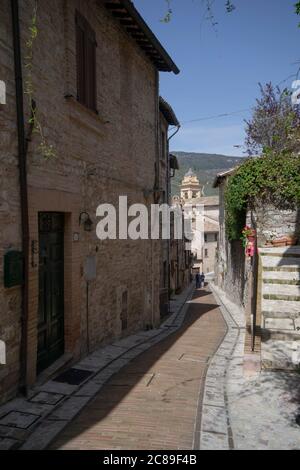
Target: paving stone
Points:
(90, 389)
(94, 363)
(279, 324)
(142, 347)
(26, 406)
(7, 432)
(9, 444)
(130, 342)
(103, 376)
(56, 387)
(70, 408)
(219, 362)
(214, 419)
(118, 365)
(148, 334)
(44, 434)
(213, 441)
(216, 372)
(132, 354)
(20, 420)
(47, 398)
(214, 395)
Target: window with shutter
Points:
(86, 63)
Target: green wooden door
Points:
(51, 289)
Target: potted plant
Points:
(248, 239)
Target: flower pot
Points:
(288, 240)
(291, 241)
(279, 243)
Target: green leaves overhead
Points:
(230, 7)
(297, 8)
(271, 178)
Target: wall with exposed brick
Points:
(98, 158)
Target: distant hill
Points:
(205, 165)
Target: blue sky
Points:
(220, 70)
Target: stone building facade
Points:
(174, 274)
(98, 140)
(204, 215)
(231, 268)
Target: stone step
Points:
(279, 324)
(279, 334)
(285, 251)
(278, 262)
(281, 276)
(277, 314)
(281, 297)
(286, 307)
(281, 290)
(282, 269)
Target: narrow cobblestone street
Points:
(154, 402)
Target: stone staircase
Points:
(279, 280)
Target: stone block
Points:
(211, 441)
(279, 324)
(214, 419)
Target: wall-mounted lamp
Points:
(173, 165)
(87, 222)
(34, 251)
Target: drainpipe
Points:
(255, 266)
(156, 184)
(169, 201)
(157, 128)
(22, 157)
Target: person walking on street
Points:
(198, 281)
(202, 280)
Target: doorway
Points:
(51, 289)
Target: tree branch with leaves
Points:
(275, 122)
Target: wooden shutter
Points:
(91, 73)
(86, 63)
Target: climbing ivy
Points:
(44, 148)
(271, 178)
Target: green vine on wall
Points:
(271, 178)
(44, 148)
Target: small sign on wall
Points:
(2, 92)
(2, 353)
(90, 270)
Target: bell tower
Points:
(190, 187)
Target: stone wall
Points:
(98, 157)
(272, 222)
(231, 267)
